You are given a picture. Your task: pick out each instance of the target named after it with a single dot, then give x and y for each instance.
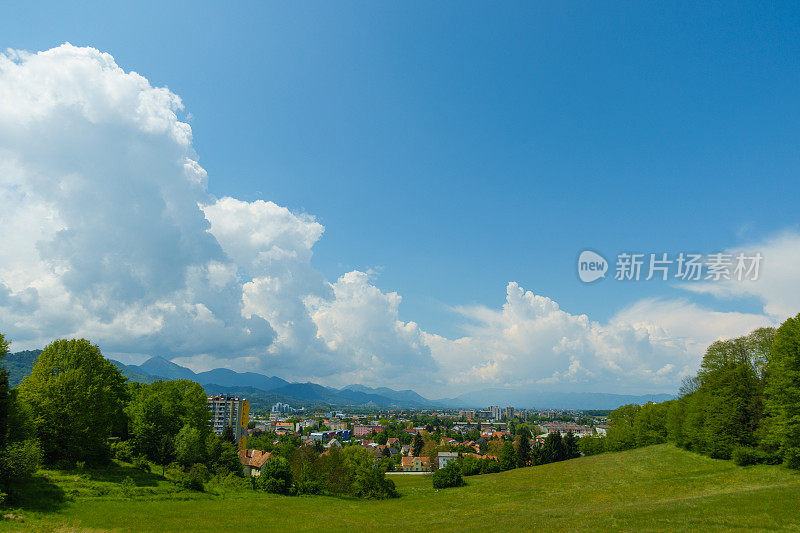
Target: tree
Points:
(77, 396)
(783, 393)
(276, 476)
(449, 476)
(553, 449)
(523, 450)
(228, 435)
(158, 411)
(189, 446)
(571, 450)
(508, 459)
(20, 454)
(416, 448)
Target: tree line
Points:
(76, 408)
(743, 404)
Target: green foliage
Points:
(592, 445)
(648, 489)
(416, 447)
(276, 476)
(508, 457)
(552, 450)
(189, 445)
(158, 411)
(123, 451)
(782, 405)
(571, 450)
(77, 397)
(140, 463)
(748, 455)
(194, 478)
(18, 461)
(370, 482)
(470, 465)
(128, 487)
(523, 448)
(222, 456)
(449, 476)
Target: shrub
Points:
(193, 479)
(128, 487)
(276, 476)
(309, 486)
(141, 463)
(123, 451)
(470, 465)
(371, 483)
(747, 455)
(489, 466)
(449, 476)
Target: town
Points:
(406, 441)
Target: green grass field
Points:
(653, 488)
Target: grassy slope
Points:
(659, 487)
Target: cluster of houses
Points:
(337, 432)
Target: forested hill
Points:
(19, 365)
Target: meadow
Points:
(654, 488)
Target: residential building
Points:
(447, 457)
(337, 425)
(360, 431)
(233, 412)
(508, 413)
(416, 464)
(325, 436)
(252, 461)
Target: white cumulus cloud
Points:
(108, 232)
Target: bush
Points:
(449, 476)
(128, 487)
(747, 455)
(489, 466)
(371, 483)
(194, 478)
(276, 476)
(123, 451)
(470, 465)
(140, 463)
(309, 487)
(19, 461)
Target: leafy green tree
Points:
(158, 411)
(222, 456)
(189, 446)
(508, 458)
(20, 454)
(449, 476)
(592, 445)
(621, 435)
(76, 396)
(276, 476)
(5, 394)
(783, 393)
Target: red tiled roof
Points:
(254, 458)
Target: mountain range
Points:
(264, 390)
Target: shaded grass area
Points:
(654, 488)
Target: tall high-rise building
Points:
(497, 413)
(508, 413)
(227, 410)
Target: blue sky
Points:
(456, 147)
